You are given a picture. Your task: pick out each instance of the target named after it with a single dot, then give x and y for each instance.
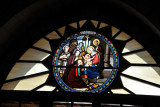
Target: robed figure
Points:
(73, 77)
(94, 73)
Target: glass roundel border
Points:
(105, 84)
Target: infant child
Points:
(88, 60)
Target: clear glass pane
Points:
(25, 69)
(129, 105)
(123, 36)
(61, 104)
(131, 46)
(110, 105)
(139, 87)
(140, 57)
(82, 104)
(53, 35)
(146, 73)
(102, 25)
(114, 30)
(95, 23)
(33, 54)
(43, 44)
(62, 30)
(74, 25)
(81, 23)
(46, 88)
(119, 91)
(25, 84)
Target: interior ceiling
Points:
(150, 9)
(24, 22)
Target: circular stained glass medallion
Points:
(85, 62)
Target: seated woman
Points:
(93, 73)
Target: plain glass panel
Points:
(62, 30)
(123, 36)
(24, 69)
(82, 104)
(102, 25)
(53, 35)
(46, 88)
(131, 46)
(110, 105)
(140, 57)
(25, 84)
(61, 104)
(114, 30)
(119, 91)
(128, 105)
(95, 23)
(74, 25)
(33, 54)
(43, 44)
(81, 23)
(139, 87)
(146, 73)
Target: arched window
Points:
(138, 73)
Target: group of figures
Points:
(81, 65)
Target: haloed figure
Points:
(100, 51)
(64, 56)
(88, 60)
(97, 46)
(93, 73)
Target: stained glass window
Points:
(35, 70)
(85, 62)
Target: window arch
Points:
(137, 67)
